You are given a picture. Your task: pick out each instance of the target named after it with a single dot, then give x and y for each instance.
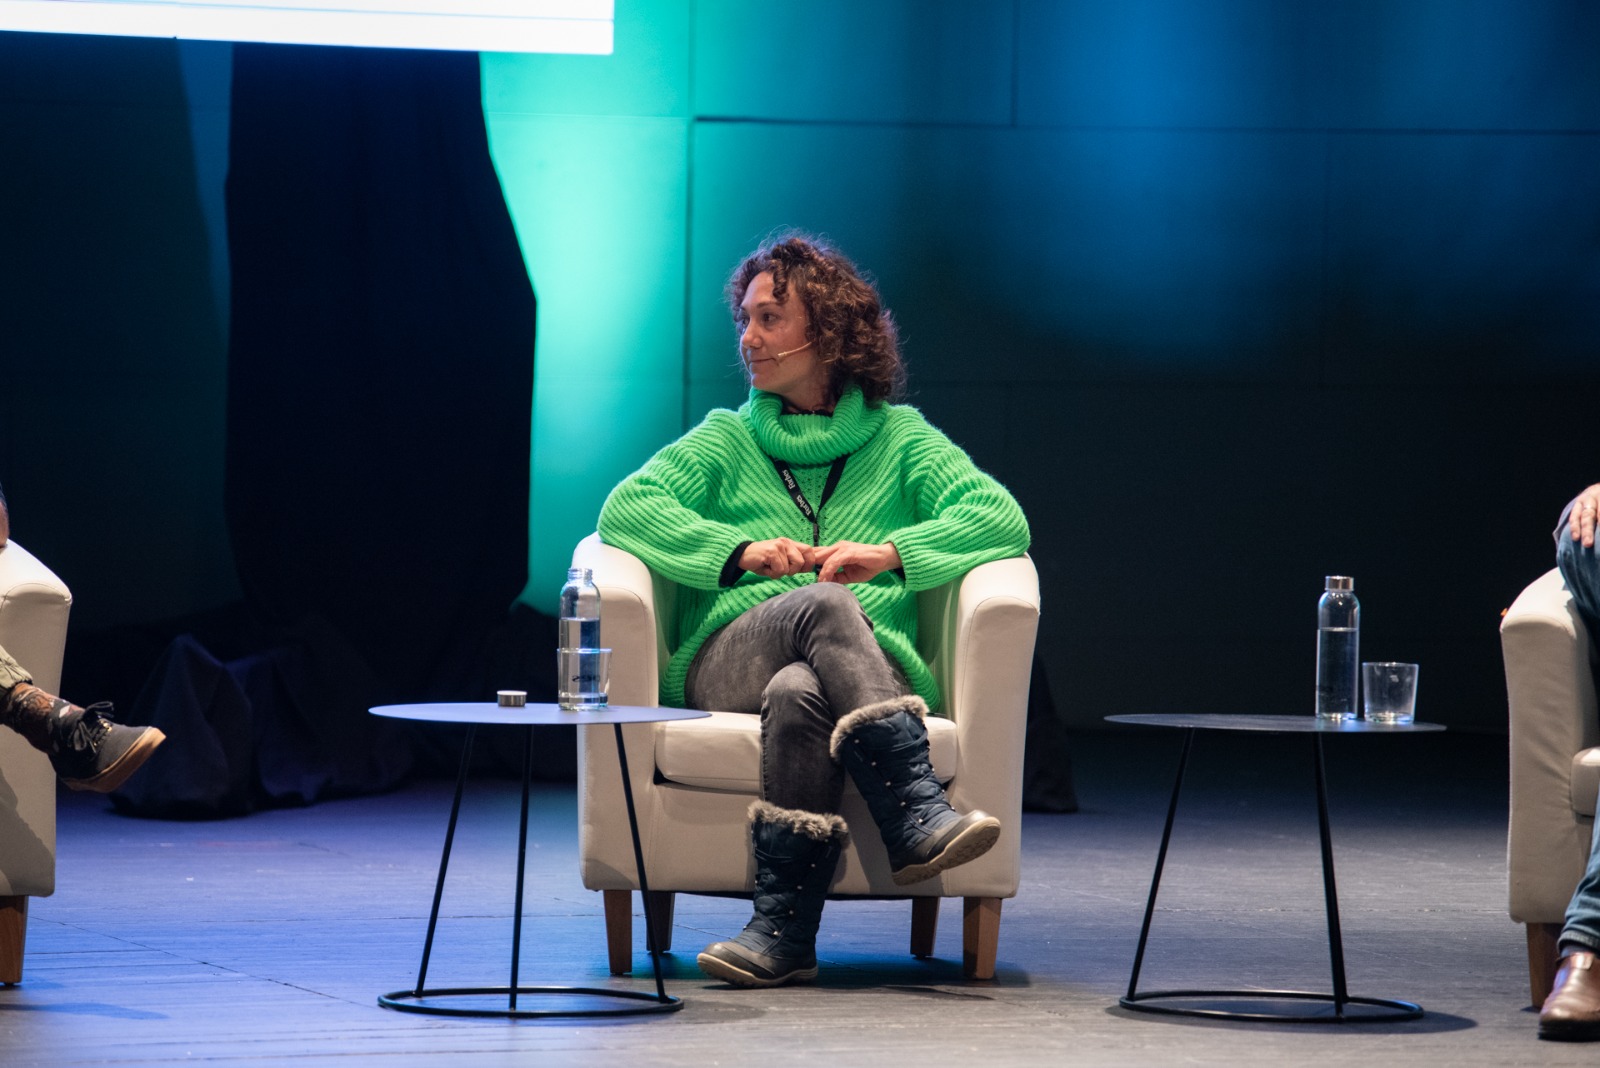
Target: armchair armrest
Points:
(1551, 697)
(978, 635)
(628, 606)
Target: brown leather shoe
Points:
(1572, 1011)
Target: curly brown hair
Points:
(855, 334)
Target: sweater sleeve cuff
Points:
(731, 571)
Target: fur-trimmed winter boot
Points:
(88, 750)
(885, 748)
(796, 853)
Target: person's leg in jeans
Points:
(1580, 568)
(1582, 928)
(832, 703)
(1572, 1011)
(800, 660)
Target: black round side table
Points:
(1386, 1010)
(623, 1002)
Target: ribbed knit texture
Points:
(686, 510)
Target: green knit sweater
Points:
(686, 510)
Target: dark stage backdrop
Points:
(379, 361)
(379, 376)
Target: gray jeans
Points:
(801, 660)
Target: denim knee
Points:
(831, 600)
(796, 686)
(829, 595)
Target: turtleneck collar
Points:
(812, 439)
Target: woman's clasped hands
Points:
(843, 561)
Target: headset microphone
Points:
(791, 352)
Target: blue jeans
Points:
(1580, 568)
(800, 660)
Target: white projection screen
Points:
(576, 26)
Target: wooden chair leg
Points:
(1542, 938)
(660, 903)
(980, 936)
(13, 933)
(924, 925)
(619, 930)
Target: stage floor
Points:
(266, 940)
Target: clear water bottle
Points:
(578, 683)
(1338, 649)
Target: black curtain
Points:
(380, 363)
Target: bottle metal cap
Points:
(512, 698)
(1340, 582)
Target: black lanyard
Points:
(813, 515)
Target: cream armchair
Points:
(1555, 764)
(694, 780)
(33, 628)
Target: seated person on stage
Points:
(88, 750)
(1572, 1011)
(800, 528)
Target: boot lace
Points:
(84, 736)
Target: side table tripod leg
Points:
(522, 864)
(650, 940)
(1330, 892)
(444, 858)
(1161, 860)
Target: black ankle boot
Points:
(885, 748)
(796, 853)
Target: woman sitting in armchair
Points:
(800, 528)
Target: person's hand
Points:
(5, 523)
(777, 557)
(851, 561)
(1582, 520)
